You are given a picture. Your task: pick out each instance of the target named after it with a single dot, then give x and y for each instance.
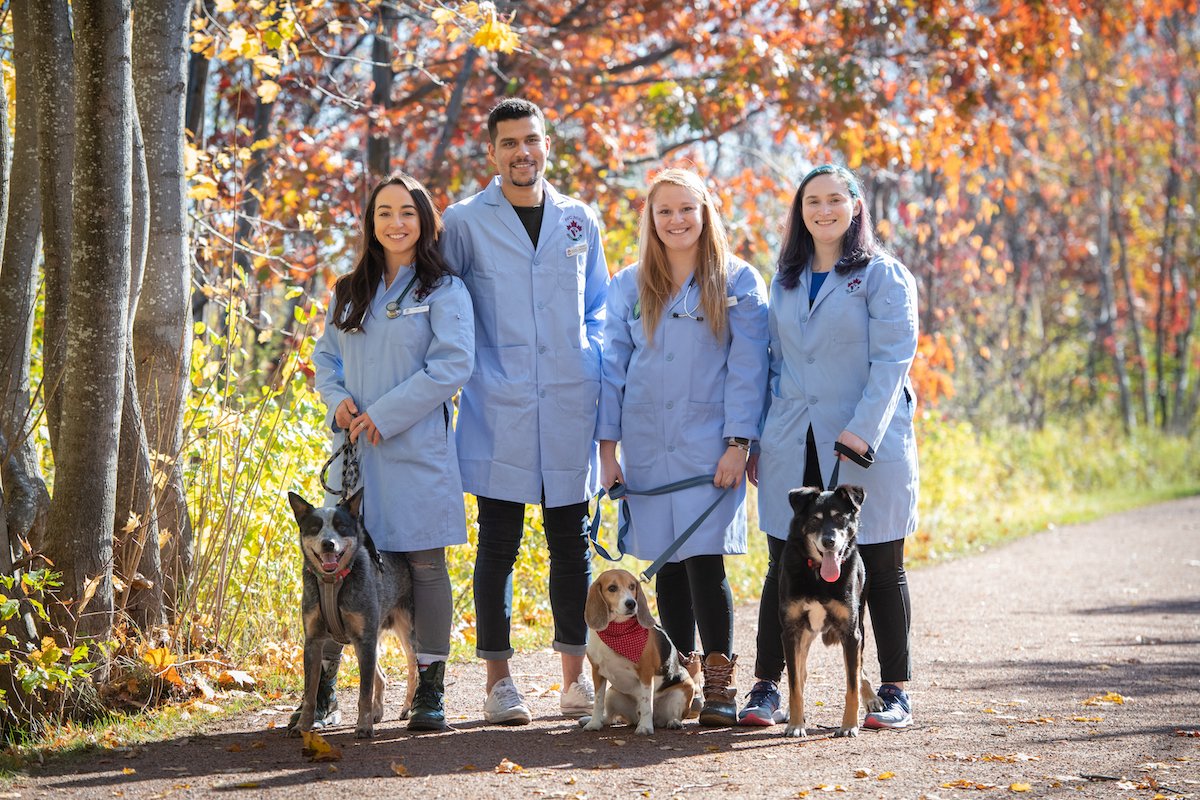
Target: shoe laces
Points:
(718, 674)
(506, 693)
(762, 694)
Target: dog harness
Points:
(329, 586)
(626, 638)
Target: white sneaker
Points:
(505, 705)
(579, 698)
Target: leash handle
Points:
(350, 469)
(620, 491)
(863, 460)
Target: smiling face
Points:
(678, 215)
(519, 151)
(397, 226)
(828, 208)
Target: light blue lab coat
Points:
(403, 372)
(843, 365)
(527, 418)
(673, 403)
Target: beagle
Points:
(638, 673)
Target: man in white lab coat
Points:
(533, 262)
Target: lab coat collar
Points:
(553, 210)
(831, 280)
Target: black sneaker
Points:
(762, 706)
(327, 714)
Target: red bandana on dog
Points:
(626, 638)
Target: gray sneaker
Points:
(505, 705)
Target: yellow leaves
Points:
(400, 770)
(494, 33)
(203, 188)
(267, 91)
(1106, 699)
(1087, 719)
(507, 767)
(315, 748)
(963, 783)
(162, 661)
(885, 776)
(1020, 787)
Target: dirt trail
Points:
(1009, 646)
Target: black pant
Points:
(501, 527)
(695, 592)
(887, 600)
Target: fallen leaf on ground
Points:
(237, 678)
(1087, 719)
(506, 767)
(315, 748)
(400, 770)
(1019, 787)
(1106, 699)
(886, 776)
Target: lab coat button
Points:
(541, 348)
(670, 404)
(670, 356)
(670, 448)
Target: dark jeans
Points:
(695, 592)
(501, 527)
(887, 600)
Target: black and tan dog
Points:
(822, 590)
(351, 594)
(638, 673)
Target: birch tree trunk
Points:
(80, 531)
(25, 498)
(162, 338)
(53, 58)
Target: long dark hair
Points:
(354, 290)
(858, 244)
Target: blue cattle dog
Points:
(352, 593)
(822, 590)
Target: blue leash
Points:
(620, 491)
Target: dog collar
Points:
(626, 638)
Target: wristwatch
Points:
(739, 442)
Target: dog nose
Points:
(630, 605)
(328, 546)
(828, 540)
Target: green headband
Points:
(834, 169)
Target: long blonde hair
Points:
(711, 273)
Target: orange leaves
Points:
(315, 748)
(1106, 699)
(507, 767)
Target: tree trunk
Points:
(80, 531)
(135, 523)
(379, 145)
(26, 500)
(53, 66)
(162, 337)
(197, 63)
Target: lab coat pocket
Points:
(705, 426)
(505, 364)
(572, 273)
(410, 331)
(641, 443)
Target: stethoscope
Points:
(684, 300)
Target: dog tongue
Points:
(329, 562)
(831, 570)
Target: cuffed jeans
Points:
(501, 528)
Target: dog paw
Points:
(593, 723)
(377, 717)
(845, 732)
(674, 724)
(644, 730)
(403, 713)
(794, 732)
(295, 732)
(364, 732)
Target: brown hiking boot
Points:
(720, 691)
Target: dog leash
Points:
(620, 491)
(863, 460)
(350, 469)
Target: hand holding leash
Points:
(731, 468)
(363, 424)
(345, 413)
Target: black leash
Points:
(350, 469)
(620, 491)
(863, 460)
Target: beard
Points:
(534, 178)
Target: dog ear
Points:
(803, 498)
(595, 611)
(353, 503)
(644, 617)
(855, 494)
(301, 508)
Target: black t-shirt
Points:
(531, 218)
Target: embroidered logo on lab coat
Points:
(853, 285)
(574, 226)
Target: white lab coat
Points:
(843, 365)
(672, 404)
(527, 417)
(404, 372)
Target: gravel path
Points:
(1010, 647)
